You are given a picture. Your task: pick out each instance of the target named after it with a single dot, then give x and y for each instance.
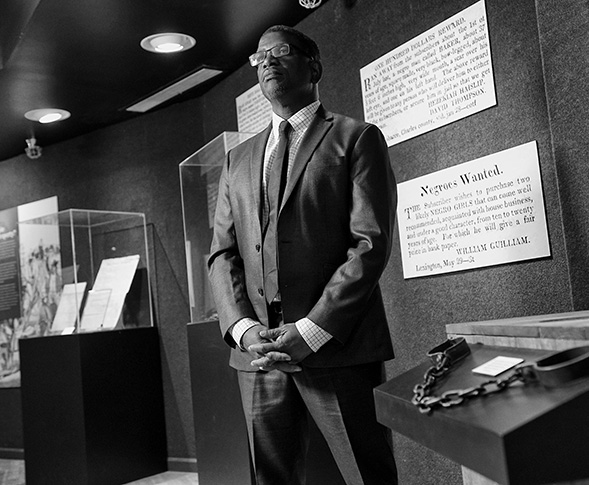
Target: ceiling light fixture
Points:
(194, 79)
(167, 43)
(47, 115)
(309, 3)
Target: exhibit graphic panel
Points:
(30, 271)
(440, 76)
(480, 213)
(254, 111)
(9, 270)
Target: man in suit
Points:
(302, 234)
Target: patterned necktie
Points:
(276, 180)
(275, 189)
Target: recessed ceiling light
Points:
(47, 115)
(168, 42)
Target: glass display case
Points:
(84, 271)
(199, 182)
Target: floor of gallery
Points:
(12, 472)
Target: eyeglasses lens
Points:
(276, 51)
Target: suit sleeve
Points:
(226, 266)
(373, 199)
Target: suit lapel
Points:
(257, 166)
(320, 125)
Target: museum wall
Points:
(564, 39)
(539, 67)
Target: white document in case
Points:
(497, 365)
(106, 299)
(70, 303)
(95, 310)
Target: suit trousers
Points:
(340, 400)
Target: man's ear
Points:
(316, 71)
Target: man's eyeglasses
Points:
(277, 51)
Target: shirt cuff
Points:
(240, 327)
(313, 334)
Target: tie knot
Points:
(284, 128)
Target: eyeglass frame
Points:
(265, 52)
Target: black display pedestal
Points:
(222, 451)
(93, 410)
(525, 435)
(222, 455)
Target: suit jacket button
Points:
(258, 247)
(261, 291)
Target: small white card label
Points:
(498, 365)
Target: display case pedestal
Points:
(222, 452)
(93, 409)
(524, 435)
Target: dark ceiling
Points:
(84, 56)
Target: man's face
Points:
(283, 77)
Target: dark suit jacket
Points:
(334, 239)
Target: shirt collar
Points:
(299, 121)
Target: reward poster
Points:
(440, 76)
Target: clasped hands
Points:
(279, 348)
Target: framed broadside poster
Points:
(438, 77)
(480, 213)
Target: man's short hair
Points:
(307, 44)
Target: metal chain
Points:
(423, 399)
